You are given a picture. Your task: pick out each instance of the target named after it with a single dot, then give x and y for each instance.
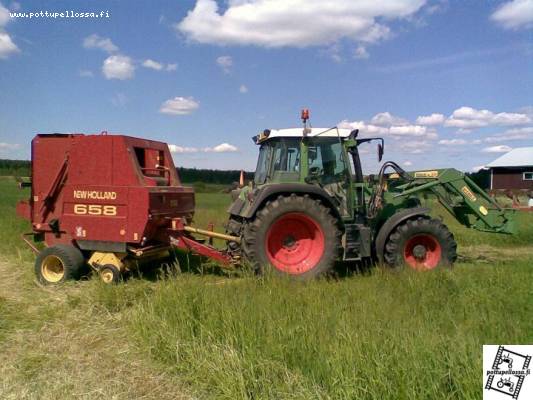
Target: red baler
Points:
(102, 200)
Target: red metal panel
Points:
(137, 214)
(48, 155)
(95, 212)
(90, 160)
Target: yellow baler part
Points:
(99, 258)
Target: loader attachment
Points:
(465, 200)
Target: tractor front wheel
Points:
(421, 244)
(57, 264)
(292, 235)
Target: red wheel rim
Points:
(422, 252)
(294, 243)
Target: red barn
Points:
(513, 170)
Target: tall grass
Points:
(371, 336)
(382, 336)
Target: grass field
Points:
(375, 335)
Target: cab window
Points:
(326, 158)
(286, 156)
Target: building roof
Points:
(298, 132)
(519, 157)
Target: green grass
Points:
(369, 336)
(382, 336)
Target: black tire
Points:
(109, 274)
(438, 246)
(57, 264)
(255, 235)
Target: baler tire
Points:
(436, 242)
(317, 226)
(57, 264)
(109, 274)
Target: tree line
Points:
(194, 175)
(187, 175)
(14, 168)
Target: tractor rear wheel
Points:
(57, 264)
(292, 235)
(421, 244)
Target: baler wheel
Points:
(110, 274)
(57, 264)
(292, 235)
(421, 244)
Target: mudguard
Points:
(289, 188)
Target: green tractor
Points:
(309, 205)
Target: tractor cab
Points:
(324, 157)
(290, 155)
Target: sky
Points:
(447, 83)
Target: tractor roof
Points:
(298, 132)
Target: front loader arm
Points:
(465, 200)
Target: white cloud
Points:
(7, 46)
(364, 128)
(396, 131)
(95, 41)
(497, 149)
(180, 149)
(360, 53)
(433, 119)
(9, 146)
(225, 62)
(221, 148)
(407, 163)
(387, 119)
(179, 106)
(512, 134)
(333, 52)
(152, 65)
(157, 66)
(514, 14)
(293, 23)
(452, 142)
(4, 16)
(85, 73)
(468, 118)
(118, 67)
(478, 168)
(243, 89)
(408, 130)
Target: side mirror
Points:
(380, 152)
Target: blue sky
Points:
(447, 83)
